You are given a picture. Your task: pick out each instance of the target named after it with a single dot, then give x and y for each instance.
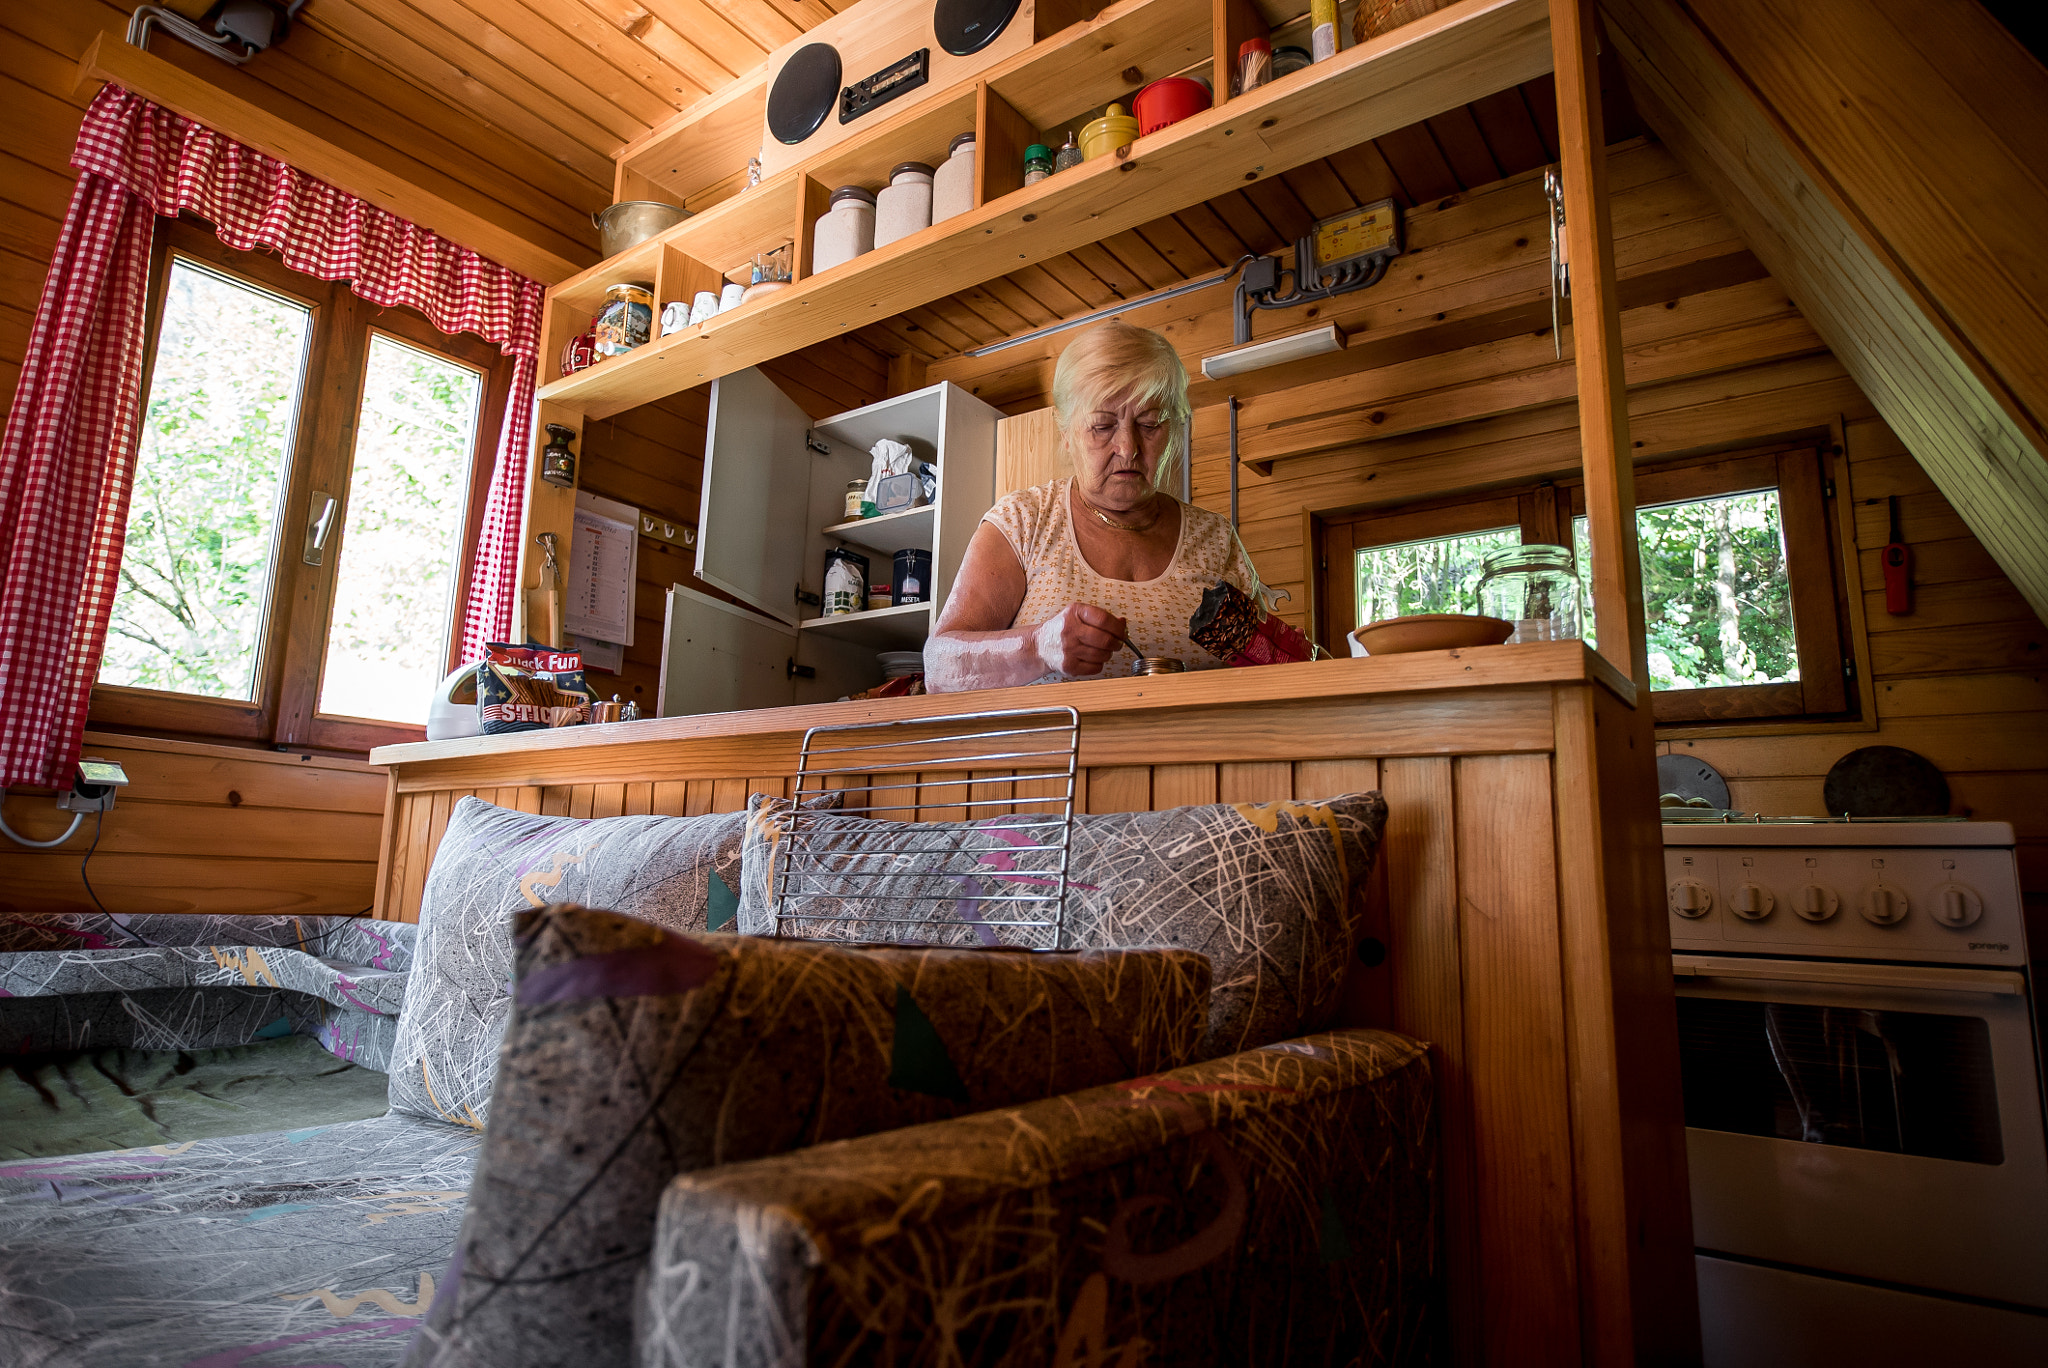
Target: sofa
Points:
(619, 1132)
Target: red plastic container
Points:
(1168, 101)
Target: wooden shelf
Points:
(1442, 60)
(888, 533)
(885, 629)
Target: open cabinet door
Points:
(752, 521)
(716, 657)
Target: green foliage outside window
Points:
(1717, 601)
(216, 439)
(1439, 576)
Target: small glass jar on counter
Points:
(953, 182)
(627, 319)
(856, 492)
(845, 230)
(905, 204)
(1535, 587)
(1288, 60)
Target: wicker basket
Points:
(1375, 17)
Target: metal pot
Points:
(631, 222)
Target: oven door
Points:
(1881, 1121)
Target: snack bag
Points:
(1240, 632)
(526, 688)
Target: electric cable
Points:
(98, 826)
(19, 839)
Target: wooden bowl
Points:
(1431, 632)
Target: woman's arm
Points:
(975, 647)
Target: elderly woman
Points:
(1059, 577)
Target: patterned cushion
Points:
(1265, 890)
(294, 1247)
(175, 982)
(1271, 1207)
(636, 1054)
(676, 872)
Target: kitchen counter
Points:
(1517, 911)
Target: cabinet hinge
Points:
(1827, 487)
(807, 598)
(797, 671)
(811, 441)
(1849, 667)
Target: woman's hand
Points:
(1080, 639)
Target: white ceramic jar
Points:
(905, 207)
(845, 230)
(953, 184)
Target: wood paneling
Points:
(1896, 188)
(1972, 697)
(206, 829)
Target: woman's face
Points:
(1116, 449)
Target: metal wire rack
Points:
(950, 867)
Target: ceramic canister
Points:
(953, 182)
(1113, 130)
(905, 207)
(844, 231)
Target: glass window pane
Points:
(1716, 596)
(209, 470)
(387, 641)
(1438, 576)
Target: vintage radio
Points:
(882, 56)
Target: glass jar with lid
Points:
(1535, 587)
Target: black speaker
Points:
(805, 91)
(965, 26)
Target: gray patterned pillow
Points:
(636, 1054)
(1266, 890)
(677, 872)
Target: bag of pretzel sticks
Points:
(526, 688)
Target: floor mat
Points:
(114, 1099)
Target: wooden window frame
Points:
(291, 645)
(1815, 565)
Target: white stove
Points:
(1863, 1108)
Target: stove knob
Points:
(1884, 906)
(1817, 904)
(1957, 906)
(1753, 902)
(1691, 900)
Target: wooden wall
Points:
(206, 829)
(512, 177)
(652, 457)
(1717, 356)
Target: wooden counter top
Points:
(1428, 703)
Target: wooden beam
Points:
(1893, 228)
(1617, 579)
(111, 60)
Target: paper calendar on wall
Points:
(604, 556)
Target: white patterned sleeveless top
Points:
(1038, 524)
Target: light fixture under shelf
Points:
(1298, 347)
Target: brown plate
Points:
(1432, 632)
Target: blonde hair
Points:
(1118, 360)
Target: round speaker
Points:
(804, 92)
(965, 26)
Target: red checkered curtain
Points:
(70, 442)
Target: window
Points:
(1740, 577)
(309, 480)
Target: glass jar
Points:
(1254, 64)
(626, 319)
(1037, 163)
(1069, 155)
(1535, 587)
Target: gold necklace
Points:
(1107, 521)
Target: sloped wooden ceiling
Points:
(1888, 161)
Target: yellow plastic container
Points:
(1113, 130)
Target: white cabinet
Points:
(774, 489)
